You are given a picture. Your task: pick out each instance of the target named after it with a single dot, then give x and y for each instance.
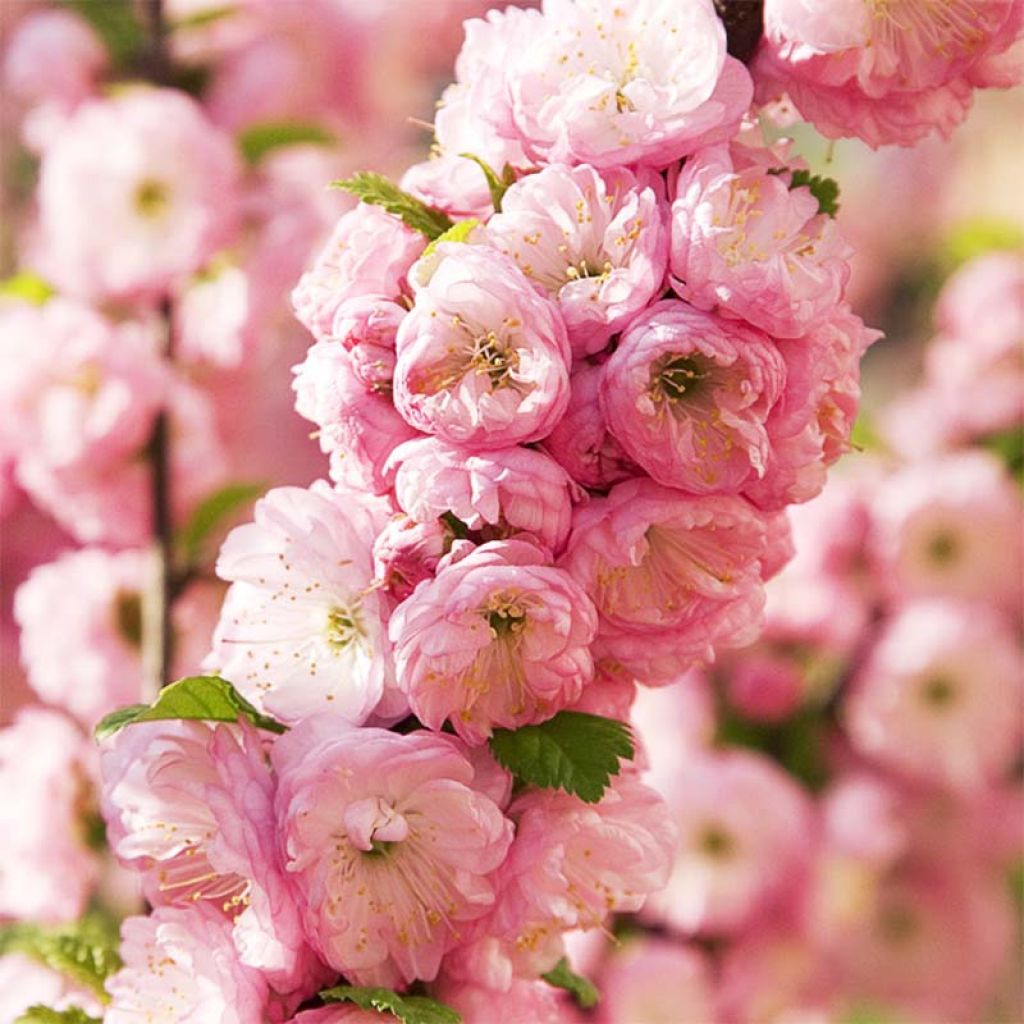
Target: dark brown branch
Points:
(744, 23)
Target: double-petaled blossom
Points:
(608, 84)
(406, 552)
(390, 845)
(688, 394)
(483, 358)
(302, 629)
(143, 167)
(938, 696)
(496, 493)
(597, 242)
(673, 576)
(190, 806)
(369, 254)
(747, 243)
(498, 638)
(885, 72)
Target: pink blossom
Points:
(390, 848)
(524, 1002)
(138, 224)
(687, 394)
(885, 74)
(407, 552)
(92, 664)
(657, 982)
(744, 837)
(596, 242)
(673, 576)
(25, 982)
(358, 428)
(502, 492)
(746, 243)
(302, 630)
(938, 696)
(765, 686)
(369, 254)
(500, 638)
(213, 316)
(180, 965)
(337, 1013)
(368, 328)
(191, 805)
(611, 84)
(951, 527)
(483, 358)
(47, 869)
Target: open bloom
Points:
(746, 243)
(136, 193)
(483, 358)
(390, 846)
(510, 490)
(499, 638)
(687, 394)
(609, 84)
(672, 576)
(302, 628)
(597, 242)
(191, 806)
(883, 72)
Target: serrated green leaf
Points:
(210, 514)
(410, 1009)
(825, 190)
(377, 190)
(40, 1014)
(195, 698)
(581, 989)
(84, 951)
(458, 232)
(573, 751)
(496, 185)
(259, 139)
(27, 286)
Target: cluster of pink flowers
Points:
(569, 377)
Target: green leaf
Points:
(458, 232)
(495, 185)
(1008, 445)
(84, 951)
(28, 286)
(196, 698)
(114, 21)
(375, 189)
(410, 1009)
(825, 190)
(40, 1014)
(582, 990)
(202, 18)
(212, 513)
(261, 138)
(573, 751)
(974, 238)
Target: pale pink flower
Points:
(951, 527)
(597, 242)
(92, 664)
(407, 552)
(47, 818)
(498, 493)
(748, 245)
(939, 695)
(25, 982)
(765, 686)
(337, 1013)
(886, 73)
(213, 315)
(191, 806)
(136, 194)
(655, 981)
(302, 629)
(483, 358)
(523, 1002)
(581, 441)
(358, 428)
(673, 576)
(368, 328)
(391, 849)
(687, 394)
(180, 965)
(745, 835)
(369, 254)
(611, 84)
(500, 638)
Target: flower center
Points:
(676, 377)
(152, 198)
(943, 548)
(374, 826)
(941, 28)
(344, 627)
(939, 693)
(716, 843)
(506, 614)
(128, 617)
